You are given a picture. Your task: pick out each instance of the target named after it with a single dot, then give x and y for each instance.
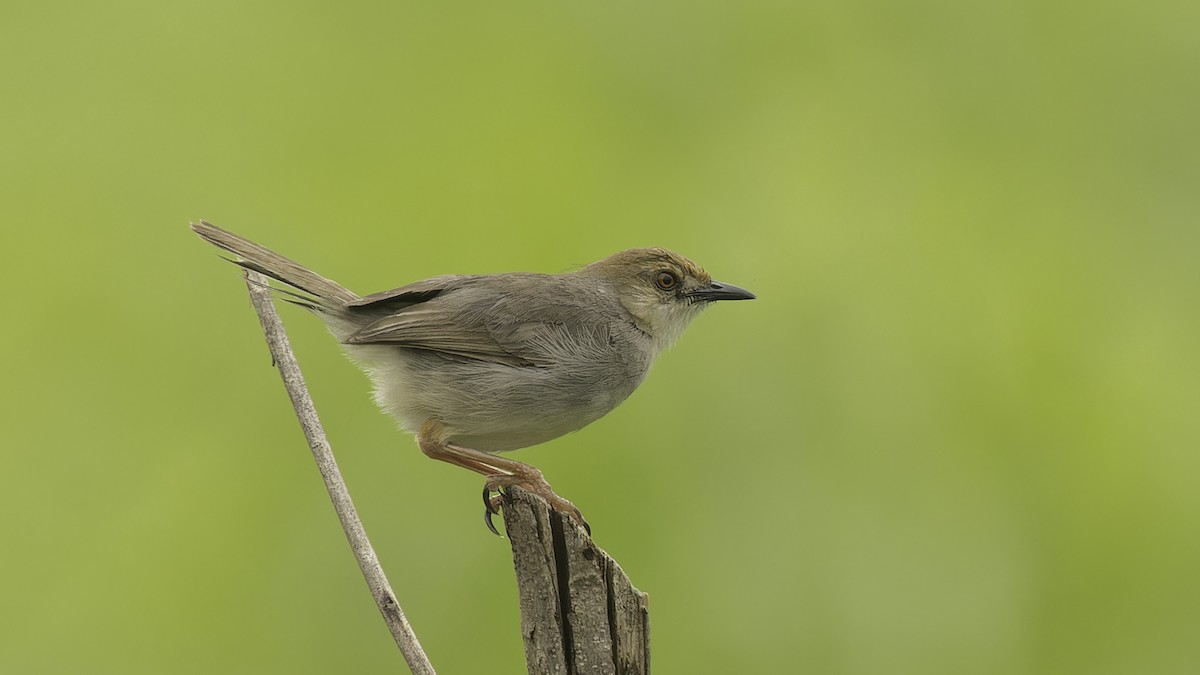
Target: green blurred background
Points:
(957, 433)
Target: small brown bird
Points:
(476, 365)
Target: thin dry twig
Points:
(364, 553)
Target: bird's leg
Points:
(500, 472)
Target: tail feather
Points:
(295, 297)
(261, 259)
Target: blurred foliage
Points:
(957, 433)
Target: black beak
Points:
(719, 291)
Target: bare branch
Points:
(293, 381)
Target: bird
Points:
(478, 365)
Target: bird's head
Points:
(662, 290)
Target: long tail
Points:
(261, 259)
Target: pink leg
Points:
(500, 472)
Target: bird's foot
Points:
(532, 482)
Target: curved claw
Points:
(491, 507)
(487, 518)
(488, 506)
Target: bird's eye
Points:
(666, 280)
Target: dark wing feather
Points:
(416, 292)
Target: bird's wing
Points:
(426, 326)
(466, 320)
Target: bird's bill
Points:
(719, 291)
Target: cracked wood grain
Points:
(579, 612)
